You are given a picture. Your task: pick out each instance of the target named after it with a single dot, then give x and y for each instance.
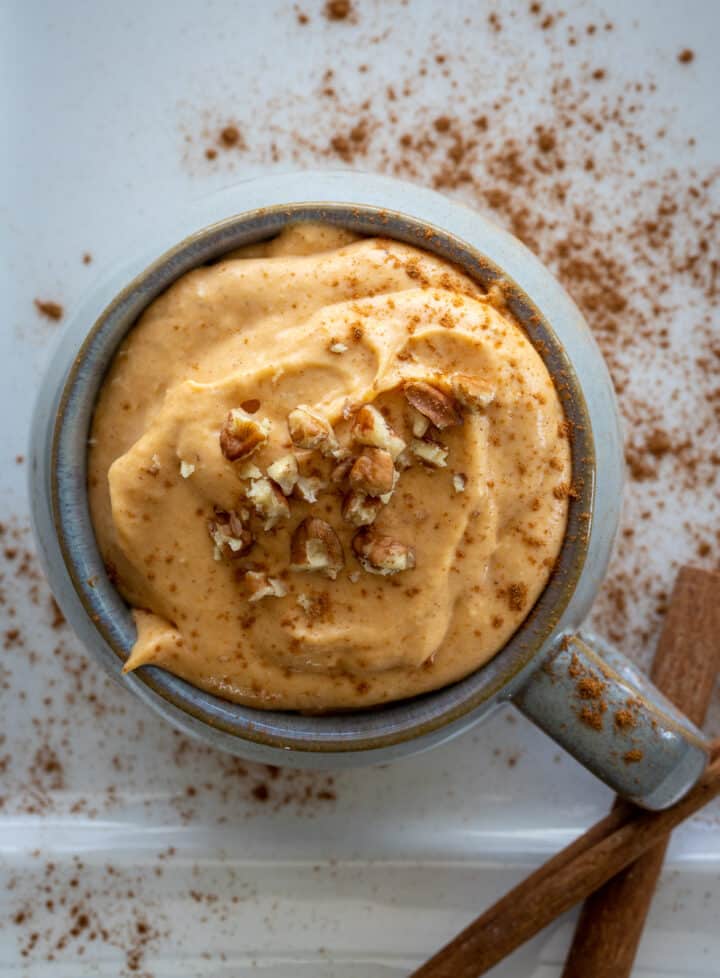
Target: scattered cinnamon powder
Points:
(49, 309)
(261, 792)
(338, 9)
(686, 56)
(592, 716)
(58, 618)
(590, 687)
(517, 596)
(625, 720)
(230, 136)
(633, 756)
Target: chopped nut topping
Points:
(242, 434)
(418, 422)
(387, 496)
(371, 428)
(472, 393)
(284, 471)
(305, 602)
(373, 473)
(381, 554)
(404, 460)
(311, 430)
(430, 453)
(459, 482)
(248, 470)
(342, 470)
(359, 509)
(337, 347)
(261, 586)
(155, 466)
(230, 536)
(186, 469)
(315, 546)
(268, 501)
(308, 488)
(442, 409)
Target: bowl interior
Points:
(364, 730)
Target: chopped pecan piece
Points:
(459, 482)
(248, 470)
(308, 429)
(440, 408)
(419, 423)
(373, 473)
(430, 453)
(472, 394)
(268, 501)
(378, 553)
(284, 471)
(308, 488)
(315, 546)
(371, 428)
(260, 586)
(242, 434)
(230, 536)
(359, 509)
(342, 470)
(404, 460)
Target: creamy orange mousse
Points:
(327, 472)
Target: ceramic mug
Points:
(570, 685)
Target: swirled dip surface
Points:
(317, 590)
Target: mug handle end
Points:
(593, 702)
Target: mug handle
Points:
(593, 702)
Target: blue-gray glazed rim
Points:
(371, 730)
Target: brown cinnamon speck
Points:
(338, 9)
(590, 687)
(230, 136)
(49, 309)
(517, 595)
(633, 756)
(625, 720)
(592, 716)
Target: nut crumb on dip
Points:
(323, 469)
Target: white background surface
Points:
(100, 99)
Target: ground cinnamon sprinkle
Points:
(517, 596)
(575, 668)
(625, 720)
(590, 687)
(230, 136)
(592, 716)
(686, 56)
(338, 9)
(633, 756)
(49, 309)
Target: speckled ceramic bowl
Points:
(533, 669)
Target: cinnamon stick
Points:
(602, 852)
(686, 664)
